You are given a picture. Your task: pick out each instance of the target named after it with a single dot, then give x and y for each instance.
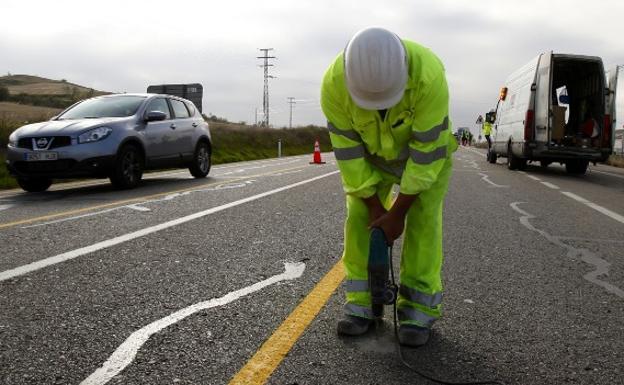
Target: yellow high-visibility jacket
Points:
(487, 128)
(413, 141)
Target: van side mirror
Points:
(155, 116)
(564, 99)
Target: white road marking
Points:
(550, 185)
(587, 256)
(533, 177)
(34, 266)
(486, 178)
(5, 207)
(161, 174)
(607, 173)
(139, 207)
(126, 352)
(600, 209)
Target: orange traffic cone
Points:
(317, 154)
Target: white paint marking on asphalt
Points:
(468, 300)
(486, 178)
(587, 256)
(600, 209)
(126, 352)
(34, 266)
(5, 207)
(136, 206)
(550, 185)
(533, 177)
(607, 173)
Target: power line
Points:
(265, 96)
(292, 102)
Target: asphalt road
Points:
(214, 281)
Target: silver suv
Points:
(114, 136)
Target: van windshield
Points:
(104, 107)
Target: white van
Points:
(554, 109)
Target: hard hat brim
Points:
(377, 101)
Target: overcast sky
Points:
(123, 46)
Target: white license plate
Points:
(40, 155)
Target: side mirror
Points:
(564, 99)
(154, 116)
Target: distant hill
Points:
(35, 85)
(28, 90)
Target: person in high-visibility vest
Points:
(387, 103)
(487, 128)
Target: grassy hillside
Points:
(234, 143)
(35, 85)
(38, 91)
(25, 113)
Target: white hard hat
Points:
(375, 68)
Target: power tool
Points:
(383, 290)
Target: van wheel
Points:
(128, 169)
(200, 167)
(576, 166)
(513, 162)
(34, 184)
(491, 157)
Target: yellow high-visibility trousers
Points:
(420, 290)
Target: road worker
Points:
(487, 127)
(386, 101)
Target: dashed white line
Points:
(34, 266)
(600, 209)
(126, 352)
(550, 185)
(608, 173)
(533, 177)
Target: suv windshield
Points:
(106, 107)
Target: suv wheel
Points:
(200, 166)
(128, 169)
(34, 184)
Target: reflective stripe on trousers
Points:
(358, 310)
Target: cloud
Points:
(215, 43)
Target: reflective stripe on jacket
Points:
(411, 142)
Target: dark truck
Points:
(193, 92)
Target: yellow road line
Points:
(260, 367)
(133, 200)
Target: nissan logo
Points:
(42, 142)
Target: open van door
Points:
(543, 98)
(613, 76)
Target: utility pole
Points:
(291, 101)
(265, 98)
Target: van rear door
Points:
(543, 97)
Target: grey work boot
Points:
(414, 336)
(353, 326)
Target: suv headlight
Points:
(12, 140)
(94, 135)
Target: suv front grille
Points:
(57, 141)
